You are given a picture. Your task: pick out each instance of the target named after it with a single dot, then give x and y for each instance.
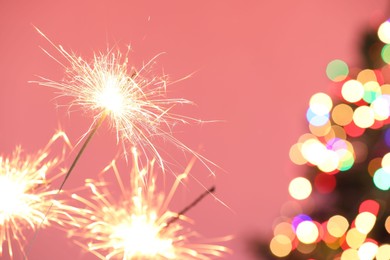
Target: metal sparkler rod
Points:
(81, 151)
(191, 205)
(91, 134)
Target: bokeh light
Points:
(313, 151)
(320, 103)
(320, 130)
(330, 161)
(368, 251)
(353, 130)
(296, 155)
(372, 90)
(355, 238)
(280, 245)
(307, 232)
(381, 107)
(382, 175)
(300, 188)
(371, 206)
(383, 252)
(284, 228)
(336, 132)
(337, 226)
(316, 119)
(350, 254)
(325, 183)
(346, 159)
(363, 116)
(352, 91)
(364, 222)
(298, 219)
(366, 75)
(387, 224)
(384, 32)
(386, 161)
(342, 114)
(337, 70)
(385, 53)
(385, 89)
(382, 179)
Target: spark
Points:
(139, 226)
(26, 195)
(134, 101)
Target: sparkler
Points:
(25, 195)
(139, 226)
(133, 101)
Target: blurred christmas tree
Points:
(341, 207)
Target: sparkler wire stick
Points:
(81, 151)
(190, 206)
(91, 134)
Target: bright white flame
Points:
(13, 200)
(141, 237)
(111, 98)
(26, 196)
(139, 225)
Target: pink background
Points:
(257, 63)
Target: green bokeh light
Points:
(337, 70)
(371, 91)
(385, 53)
(346, 163)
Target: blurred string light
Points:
(336, 232)
(334, 144)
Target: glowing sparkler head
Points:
(141, 234)
(25, 195)
(110, 97)
(134, 101)
(137, 234)
(139, 226)
(13, 199)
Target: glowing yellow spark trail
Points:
(139, 226)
